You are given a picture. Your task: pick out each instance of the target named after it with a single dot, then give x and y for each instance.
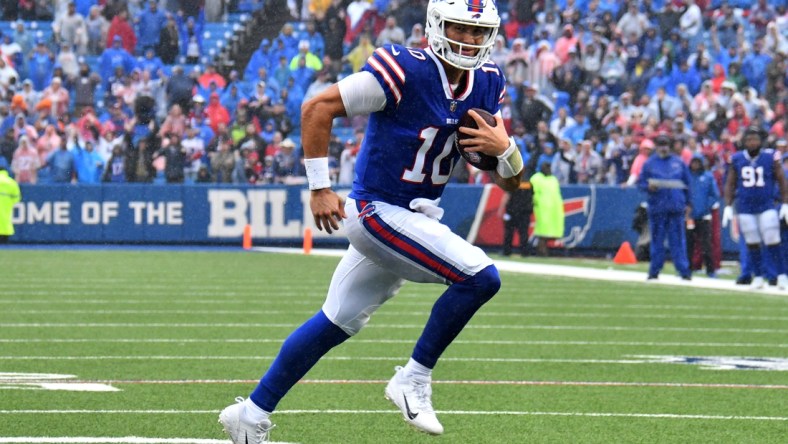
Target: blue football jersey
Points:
(408, 151)
(755, 184)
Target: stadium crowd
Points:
(592, 83)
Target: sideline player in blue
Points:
(753, 176)
(666, 179)
(415, 98)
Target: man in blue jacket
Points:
(150, 22)
(704, 196)
(666, 180)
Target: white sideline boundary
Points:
(124, 440)
(395, 412)
(575, 272)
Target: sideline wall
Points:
(598, 219)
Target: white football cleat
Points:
(757, 283)
(414, 399)
(782, 282)
(240, 431)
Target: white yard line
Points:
(446, 382)
(567, 271)
(389, 341)
(496, 314)
(383, 326)
(644, 360)
(390, 412)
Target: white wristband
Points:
(317, 173)
(510, 162)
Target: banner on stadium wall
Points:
(597, 218)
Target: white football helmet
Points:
(482, 13)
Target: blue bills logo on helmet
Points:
(475, 6)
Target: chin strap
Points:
(510, 162)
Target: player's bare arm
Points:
(779, 175)
(728, 195)
(317, 114)
(730, 186)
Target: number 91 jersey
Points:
(408, 151)
(755, 181)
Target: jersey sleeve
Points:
(496, 82)
(386, 65)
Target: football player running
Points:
(753, 176)
(415, 98)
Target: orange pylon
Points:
(247, 241)
(307, 240)
(625, 255)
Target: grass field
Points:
(553, 360)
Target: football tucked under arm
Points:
(481, 161)
(508, 164)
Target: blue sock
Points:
(775, 259)
(757, 261)
(299, 353)
(452, 311)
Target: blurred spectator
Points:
(417, 39)
(150, 23)
(67, 60)
(532, 108)
(26, 162)
(194, 148)
(548, 208)
(223, 161)
(22, 128)
(61, 164)
(210, 75)
(360, 53)
(347, 162)
(704, 196)
(179, 89)
(588, 164)
(175, 157)
(48, 143)
(321, 83)
(317, 44)
(88, 165)
(252, 141)
(97, 28)
(70, 29)
(117, 166)
(516, 62)
(311, 61)
(115, 57)
(40, 66)
(286, 162)
(175, 123)
(691, 23)
(754, 67)
(9, 196)
(633, 21)
(8, 75)
(169, 42)
(391, 33)
(139, 159)
(120, 27)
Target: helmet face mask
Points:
(471, 13)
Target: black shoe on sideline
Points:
(744, 280)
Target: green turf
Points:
(137, 317)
